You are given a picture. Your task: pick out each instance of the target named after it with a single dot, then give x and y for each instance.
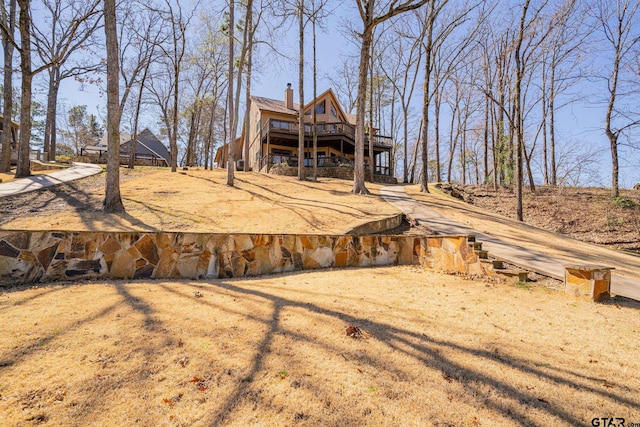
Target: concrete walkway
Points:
(36, 182)
(502, 249)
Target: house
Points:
(14, 139)
(149, 150)
(273, 136)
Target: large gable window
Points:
(321, 108)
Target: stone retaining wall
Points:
(340, 172)
(40, 256)
(377, 226)
(37, 165)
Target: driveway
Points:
(515, 242)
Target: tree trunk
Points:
(191, 140)
(248, 86)
(301, 91)
(315, 95)
(49, 125)
(23, 168)
(437, 101)
(519, 131)
(134, 139)
(424, 183)
(112, 200)
(7, 46)
(231, 132)
(486, 141)
(371, 131)
(552, 128)
(358, 170)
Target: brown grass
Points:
(435, 350)
(199, 201)
(10, 176)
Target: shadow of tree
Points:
(428, 350)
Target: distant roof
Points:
(351, 118)
(148, 145)
(124, 137)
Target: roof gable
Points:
(278, 106)
(330, 96)
(148, 144)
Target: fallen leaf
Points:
(194, 380)
(168, 401)
(203, 388)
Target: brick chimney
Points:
(288, 97)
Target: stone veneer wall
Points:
(340, 172)
(40, 256)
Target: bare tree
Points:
(371, 14)
(112, 200)
(402, 72)
(618, 21)
(72, 24)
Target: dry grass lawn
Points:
(199, 201)
(10, 176)
(273, 351)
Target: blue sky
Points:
(580, 125)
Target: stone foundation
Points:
(41, 256)
(340, 172)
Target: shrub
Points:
(624, 203)
(63, 159)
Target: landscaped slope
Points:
(198, 201)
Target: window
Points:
(334, 113)
(307, 113)
(321, 108)
(278, 124)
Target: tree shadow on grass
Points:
(429, 351)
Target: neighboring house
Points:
(14, 139)
(100, 149)
(149, 150)
(273, 136)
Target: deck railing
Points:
(326, 129)
(275, 159)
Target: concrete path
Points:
(36, 182)
(503, 249)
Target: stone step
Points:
(476, 246)
(494, 263)
(482, 254)
(514, 276)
